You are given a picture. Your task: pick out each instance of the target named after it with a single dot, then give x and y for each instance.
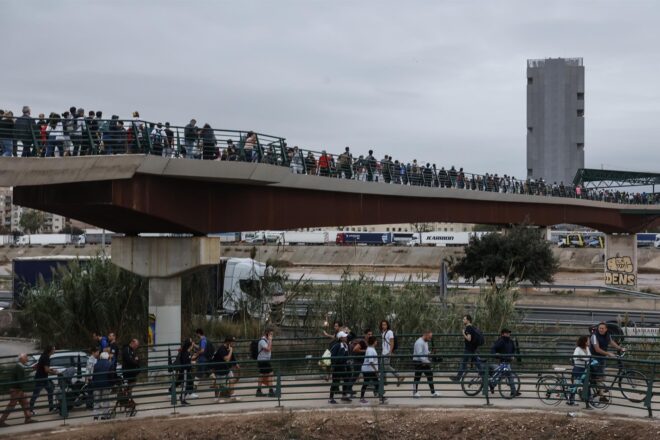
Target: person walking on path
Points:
(265, 349)
(422, 364)
(387, 350)
(472, 338)
(370, 371)
(41, 380)
(339, 357)
(17, 377)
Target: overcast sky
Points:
(438, 81)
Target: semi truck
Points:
(440, 239)
(44, 239)
(304, 238)
(363, 238)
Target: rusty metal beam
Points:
(153, 203)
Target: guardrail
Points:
(531, 381)
(91, 136)
(642, 347)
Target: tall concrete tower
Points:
(555, 119)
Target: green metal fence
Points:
(534, 381)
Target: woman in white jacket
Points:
(581, 359)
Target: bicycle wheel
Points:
(471, 382)
(505, 383)
(550, 390)
(633, 385)
(599, 396)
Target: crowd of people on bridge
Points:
(112, 372)
(77, 132)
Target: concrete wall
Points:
(554, 129)
(621, 260)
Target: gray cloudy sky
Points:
(440, 81)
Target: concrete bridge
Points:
(138, 193)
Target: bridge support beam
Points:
(621, 260)
(164, 260)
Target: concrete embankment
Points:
(570, 260)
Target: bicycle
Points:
(552, 389)
(632, 384)
(472, 381)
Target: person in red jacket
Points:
(324, 164)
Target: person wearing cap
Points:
(340, 373)
(101, 384)
(225, 364)
(504, 349)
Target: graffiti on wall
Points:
(619, 271)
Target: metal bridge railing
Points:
(533, 381)
(57, 136)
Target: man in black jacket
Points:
(505, 349)
(26, 131)
(130, 363)
(338, 361)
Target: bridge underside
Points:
(168, 204)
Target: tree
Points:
(86, 296)
(32, 221)
(504, 260)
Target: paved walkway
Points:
(313, 395)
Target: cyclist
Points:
(600, 341)
(505, 348)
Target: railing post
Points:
(586, 386)
(173, 389)
(648, 401)
(381, 378)
(278, 388)
(485, 384)
(64, 406)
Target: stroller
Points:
(72, 389)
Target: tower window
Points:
(580, 145)
(530, 80)
(580, 113)
(530, 129)
(580, 96)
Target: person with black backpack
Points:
(473, 339)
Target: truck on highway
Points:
(438, 238)
(304, 238)
(364, 238)
(657, 242)
(44, 239)
(96, 236)
(646, 239)
(243, 286)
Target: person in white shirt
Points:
(422, 363)
(370, 370)
(387, 336)
(581, 359)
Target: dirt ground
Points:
(366, 424)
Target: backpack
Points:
(479, 337)
(209, 351)
(395, 343)
(254, 348)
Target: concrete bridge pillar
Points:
(621, 260)
(164, 260)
